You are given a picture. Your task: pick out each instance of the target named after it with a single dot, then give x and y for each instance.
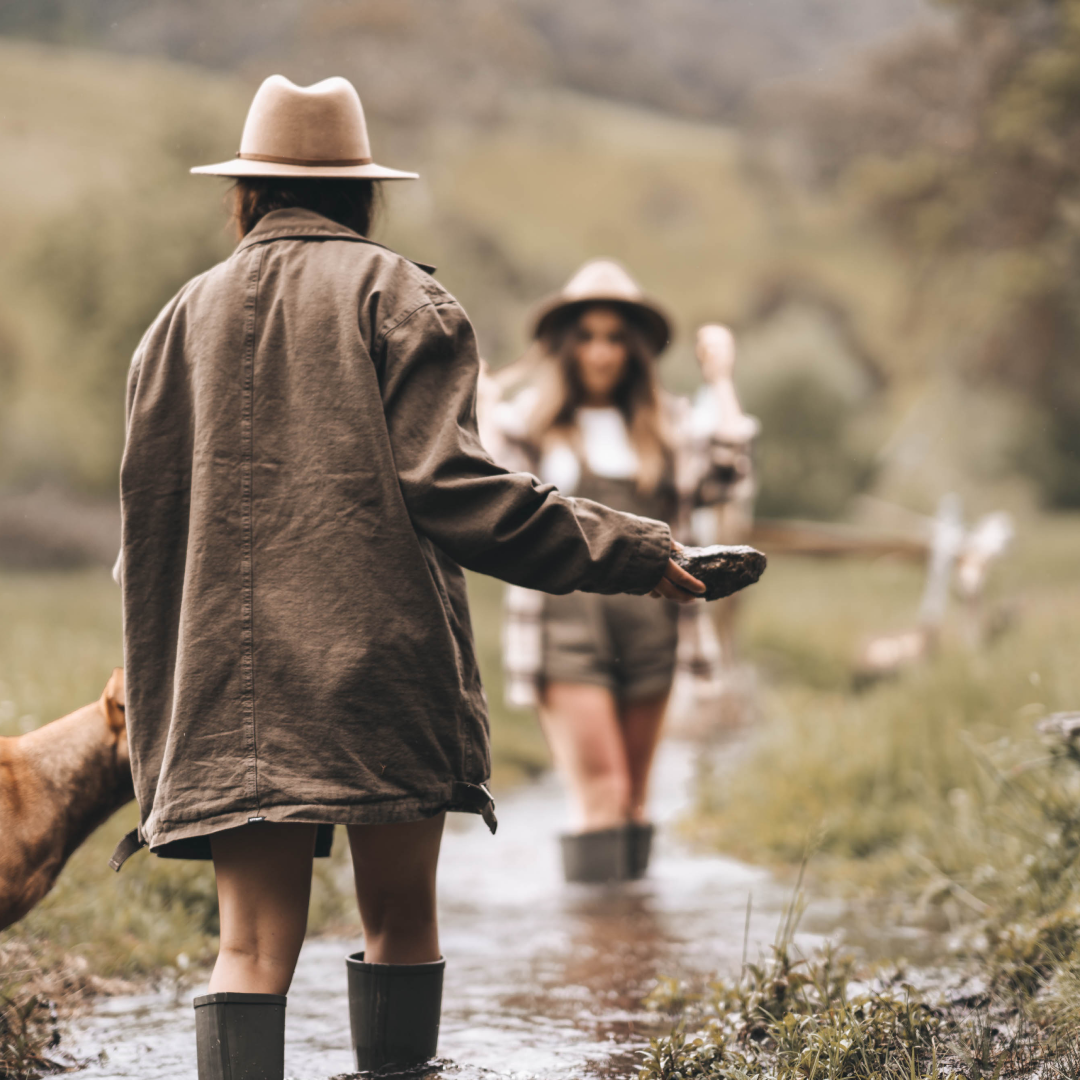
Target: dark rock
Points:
(722, 569)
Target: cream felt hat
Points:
(313, 131)
(603, 281)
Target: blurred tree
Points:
(817, 392)
(105, 271)
(92, 266)
(811, 462)
(965, 145)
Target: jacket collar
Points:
(299, 224)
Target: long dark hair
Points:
(352, 203)
(637, 396)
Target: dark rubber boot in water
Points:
(640, 840)
(596, 856)
(394, 1012)
(240, 1036)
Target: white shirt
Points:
(605, 443)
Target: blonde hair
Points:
(638, 396)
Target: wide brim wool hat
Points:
(305, 131)
(603, 281)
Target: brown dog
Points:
(57, 785)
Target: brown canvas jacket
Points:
(301, 484)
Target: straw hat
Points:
(603, 281)
(313, 131)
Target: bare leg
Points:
(394, 866)
(263, 885)
(582, 729)
(641, 722)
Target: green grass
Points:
(933, 792)
(789, 1017)
(886, 782)
(59, 639)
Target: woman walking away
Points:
(301, 483)
(595, 423)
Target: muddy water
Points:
(543, 979)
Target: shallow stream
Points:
(543, 979)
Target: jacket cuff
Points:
(649, 558)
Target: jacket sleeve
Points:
(506, 524)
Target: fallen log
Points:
(833, 540)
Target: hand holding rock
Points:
(722, 569)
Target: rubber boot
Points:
(597, 856)
(240, 1036)
(640, 837)
(394, 1012)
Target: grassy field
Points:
(883, 782)
(933, 799)
(59, 639)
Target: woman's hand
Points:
(677, 584)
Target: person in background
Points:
(302, 482)
(593, 420)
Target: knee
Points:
(607, 772)
(251, 953)
(394, 913)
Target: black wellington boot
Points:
(240, 1036)
(640, 838)
(394, 1012)
(596, 856)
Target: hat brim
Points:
(555, 312)
(240, 167)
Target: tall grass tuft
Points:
(29, 1037)
(1010, 1011)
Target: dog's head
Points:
(113, 705)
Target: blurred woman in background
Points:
(594, 421)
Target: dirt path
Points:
(542, 980)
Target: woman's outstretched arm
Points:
(495, 522)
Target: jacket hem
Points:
(377, 813)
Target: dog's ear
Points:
(113, 700)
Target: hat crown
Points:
(319, 124)
(602, 278)
(603, 281)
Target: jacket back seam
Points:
(247, 589)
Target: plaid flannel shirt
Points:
(709, 473)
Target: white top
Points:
(605, 443)
(717, 414)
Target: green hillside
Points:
(100, 226)
(855, 386)
(103, 223)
